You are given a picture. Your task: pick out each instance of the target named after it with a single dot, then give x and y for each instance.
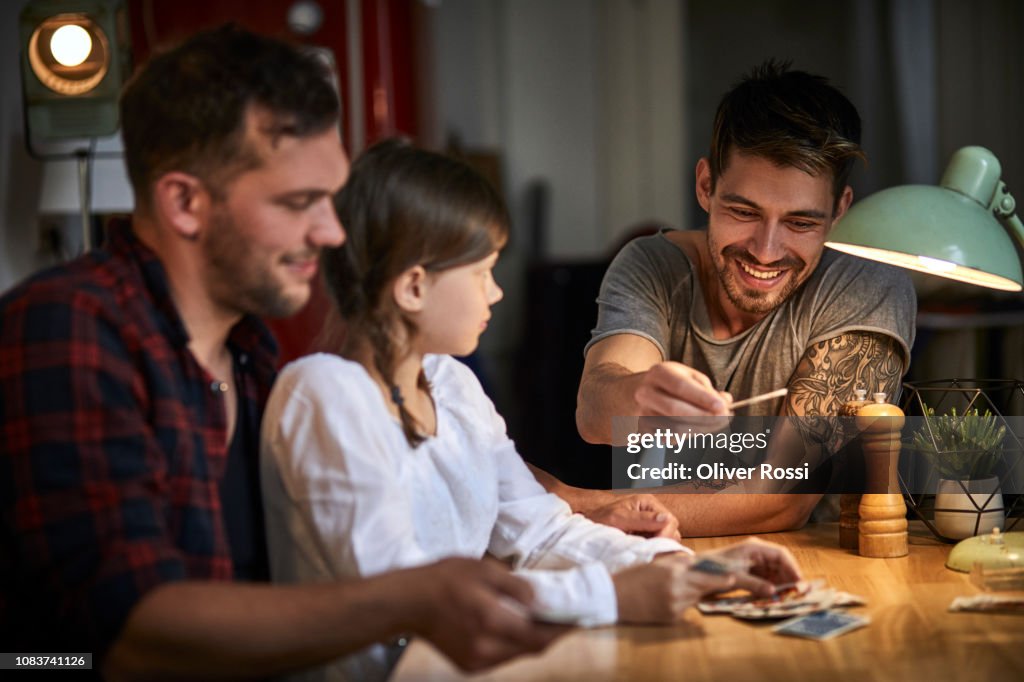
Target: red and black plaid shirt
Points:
(112, 446)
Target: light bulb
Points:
(70, 45)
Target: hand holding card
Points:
(720, 565)
(765, 565)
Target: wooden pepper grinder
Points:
(850, 502)
(883, 516)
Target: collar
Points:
(250, 335)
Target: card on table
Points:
(789, 600)
(821, 625)
(989, 603)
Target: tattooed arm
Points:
(830, 371)
(824, 379)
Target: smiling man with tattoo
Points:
(687, 320)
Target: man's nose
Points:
(766, 243)
(327, 229)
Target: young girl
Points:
(389, 454)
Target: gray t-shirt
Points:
(652, 290)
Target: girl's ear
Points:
(410, 289)
(182, 202)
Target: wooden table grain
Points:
(912, 635)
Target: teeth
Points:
(771, 274)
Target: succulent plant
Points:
(961, 447)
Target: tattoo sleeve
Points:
(831, 370)
(828, 374)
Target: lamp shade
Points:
(964, 229)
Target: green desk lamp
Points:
(964, 229)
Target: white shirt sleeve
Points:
(327, 450)
(568, 558)
(538, 531)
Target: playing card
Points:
(789, 600)
(720, 565)
(989, 603)
(821, 625)
(847, 599)
(729, 605)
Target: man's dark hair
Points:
(792, 118)
(185, 108)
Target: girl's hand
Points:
(769, 565)
(662, 591)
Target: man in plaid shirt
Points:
(132, 382)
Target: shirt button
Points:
(218, 387)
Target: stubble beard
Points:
(751, 300)
(238, 277)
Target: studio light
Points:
(74, 58)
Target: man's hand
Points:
(625, 375)
(672, 389)
(637, 514)
(476, 613)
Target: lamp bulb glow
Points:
(71, 45)
(936, 265)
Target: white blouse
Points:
(346, 496)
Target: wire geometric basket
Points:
(1000, 398)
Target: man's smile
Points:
(760, 274)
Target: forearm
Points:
(580, 500)
(226, 631)
(606, 392)
(700, 515)
(727, 513)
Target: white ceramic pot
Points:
(961, 518)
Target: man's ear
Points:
(181, 201)
(703, 186)
(845, 199)
(410, 289)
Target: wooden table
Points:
(911, 636)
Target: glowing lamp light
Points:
(70, 45)
(69, 54)
(74, 57)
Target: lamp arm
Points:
(1004, 207)
(85, 195)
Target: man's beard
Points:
(239, 278)
(752, 300)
